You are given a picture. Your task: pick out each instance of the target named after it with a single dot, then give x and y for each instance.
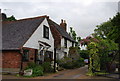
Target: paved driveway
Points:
(79, 73)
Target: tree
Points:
(109, 29)
(72, 33)
(103, 29)
(114, 34)
(11, 18)
(99, 50)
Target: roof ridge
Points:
(25, 19)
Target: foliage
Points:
(115, 33)
(109, 34)
(87, 40)
(73, 52)
(103, 43)
(12, 18)
(37, 69)
(105, 47)
(73, 60)
(73, 33)
(103, 29)
(109, 29)
(69, 63)
(74, 36)
(79, 62)
(78, 39)
(84, 54)
(94, 57)
(47, 67)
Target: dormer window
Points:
(45, 32)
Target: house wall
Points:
(69, 44)
(11, 60)
(38, 36)
(61, 53)
(31, 57)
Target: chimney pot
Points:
(61, 20)
(64, 21)
(63, 24)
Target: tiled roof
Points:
(60, 30)
(16, 33)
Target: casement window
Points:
(65, 54)
(65, 43)
(25, 56)
(45, 32)
(72, 44)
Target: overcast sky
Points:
(82, 15)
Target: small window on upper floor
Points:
(45, 32)
(65, 43)
(72, 44)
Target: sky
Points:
(82, 15)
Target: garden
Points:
(102, 47)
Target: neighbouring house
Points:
(62, 39)
(33, 40)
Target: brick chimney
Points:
(63, 24)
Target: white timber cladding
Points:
(38, 36)
(61, 52)
(69, 44)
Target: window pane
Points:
(25, 55)
(46, 32)
(65, 43)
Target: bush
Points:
(69, 63)
(84, 54)
(37, 69)
(47, 67)
(79, 62)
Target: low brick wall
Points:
(10, 70)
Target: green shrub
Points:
(37, 69)
(31, 65)
(79, 62)
(84, 54)
(47, 67)
(69, 63)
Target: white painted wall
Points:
(60, 54)
(63, 49)
(69, 44)
(38, 36)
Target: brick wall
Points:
(12, 59)
(57, 37)
(31, 56)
